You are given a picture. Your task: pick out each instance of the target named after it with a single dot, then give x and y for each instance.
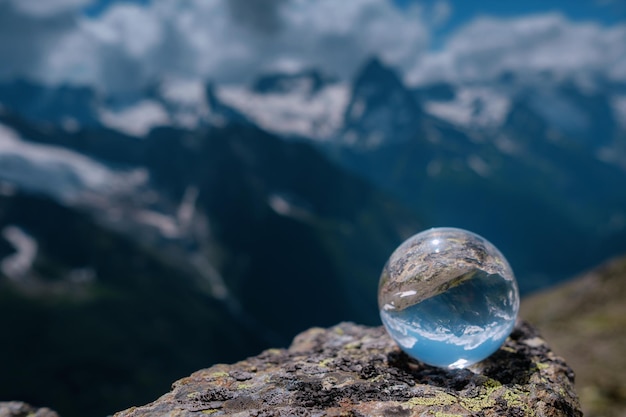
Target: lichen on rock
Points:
(352, 370)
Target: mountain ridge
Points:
(257, 203)
(229, 235)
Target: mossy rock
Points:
(352, 370)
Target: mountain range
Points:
(147, 235)
(128, 263)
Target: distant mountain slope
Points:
(382, 110)
(545, 196)
(585, 320)
(87, 310)
(233, 188)
(234, 241)
(64, 105)
(288, 219)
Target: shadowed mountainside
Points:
(278, 239)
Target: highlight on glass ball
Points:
(448, 297)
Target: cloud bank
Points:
(29, 32)
(129, 46)
(487, 47)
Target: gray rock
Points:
(20, 409)
(352, 370)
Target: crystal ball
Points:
(448, 297)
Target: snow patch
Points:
(186, 101)
(136, 120)
(619, 110)
(286, 205)
(166, 225)
(181, 91)
(477, 107)
(319, 116)
(187, 208)
(17, 265)
(478, 165)
(507, 145)
(61, 173)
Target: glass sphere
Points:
(448, 297)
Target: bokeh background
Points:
(186, 182)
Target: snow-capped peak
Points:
(171, 102)
(290, 105)
(137, 119)
(476, 107)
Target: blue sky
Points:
(99, 6)
(126, 44)
(605, 11)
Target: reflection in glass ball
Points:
(448, 297)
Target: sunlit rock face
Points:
(352, 370)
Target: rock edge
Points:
(353, 370)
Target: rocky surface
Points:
(431, 262)
(351, 370)
(20, 409)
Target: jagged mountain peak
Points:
(375, 68)
(382, 109)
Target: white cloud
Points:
(128, 45)
(46, 8)
(134, 29)
(487, 47)
(137, 120)
(25, 38)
